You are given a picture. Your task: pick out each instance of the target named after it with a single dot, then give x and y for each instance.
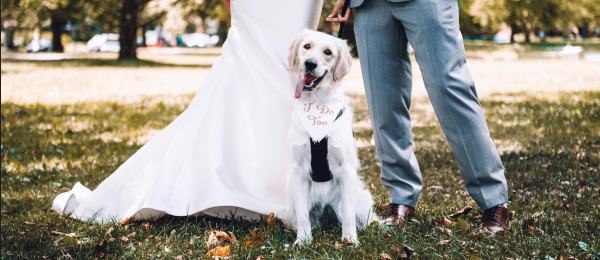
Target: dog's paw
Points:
(300, 241)
(350, 239)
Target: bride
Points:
(226, 154)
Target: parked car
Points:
(152, 39)
(199, 40)
(39, 45)
(106, 42)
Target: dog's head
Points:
(318, 59)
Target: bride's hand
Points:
(339, 4)
(227, 3)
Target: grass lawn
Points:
(78, 120)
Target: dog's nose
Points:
(310, 65)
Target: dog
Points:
(324, 160)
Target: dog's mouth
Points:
(307, 82)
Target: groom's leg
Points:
(432, 29)
(385, 63)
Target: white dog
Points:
(323, 151)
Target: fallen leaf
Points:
(219, 251)
(385, 234)
(253, 239)
(385, 256)
(463, 211)
(385, 204)
(124, 239)
(564, 207)
(167, 249)
(447, 196)
(443, 242)
(402, 252)
(347, 242)
(435, 187)
(537, 214)
(271, 218)
(130, 235)
(99, 250)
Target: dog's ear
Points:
(344, 62)
(293, 54)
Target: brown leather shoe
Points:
(398, 213)
(495, 219)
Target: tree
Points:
(60, 12)
(126, 17)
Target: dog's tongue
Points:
(300, 86)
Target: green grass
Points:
(550, 148)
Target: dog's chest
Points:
(320, 171)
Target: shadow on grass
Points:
(89, 62)
(550, 149)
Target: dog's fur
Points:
(345, 193)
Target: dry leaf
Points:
(124, 239)
(99, 250)
(219, 251)
(385, 234)
(443, 242)
(130, 235)
(216, 236)
(253, 239)
(271, 218)
(435, 188)
(537, 214)
(403, 252)
(447, 196)
(463, 211)
(385, 256)
(385, 204)
(167, 249)
(444, 230)
(564, 207)
(338, 244)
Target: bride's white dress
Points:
(227, 152)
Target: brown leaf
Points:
(463, 211)
(216, 236)
(435, 187)
(537, 214)
(253, 239)
(385, 234)
(564, 207)
(385, 256)
(124, 239)
(99, 250)
(385, 204)
(271, 218)
(219, 251)
(403, 252)
(443, 242)
(30, 198)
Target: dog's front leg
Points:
(348, 187)
(301, 207)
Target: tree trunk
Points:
(8, 38)
(526, 31)
(128, 30)
(144, 35)
(57, 25)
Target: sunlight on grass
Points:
(62, 124)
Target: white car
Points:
(39, 45)
(199, 40)
(106, 42)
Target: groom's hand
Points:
(339, 4)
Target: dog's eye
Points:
(307, 46)
(327, 52)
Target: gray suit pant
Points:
(383, 30)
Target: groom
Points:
(383, 29)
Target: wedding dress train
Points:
(227, 152)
